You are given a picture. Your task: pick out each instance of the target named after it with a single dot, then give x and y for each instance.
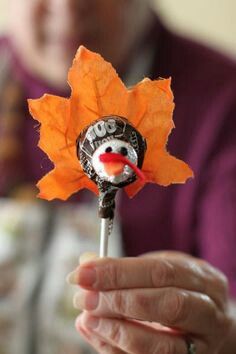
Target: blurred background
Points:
(33, 292)
(211, 21)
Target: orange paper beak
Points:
(114, 168)
(116, 162)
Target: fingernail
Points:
(79, 327)
(78, 322)
(86, 276)
(72, 278)
(87, 256)
(85, 300)
(91, 322)
(83, 331)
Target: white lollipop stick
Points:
(106, 227)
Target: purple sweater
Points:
(200, 216)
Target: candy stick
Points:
(106, 228)
(106, 214)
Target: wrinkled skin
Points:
(47, 33)
(128, 301)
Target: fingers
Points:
(131, 273)
(98, 343)
(215, 280)
(181, 293)
(133, 337)
(187, 311)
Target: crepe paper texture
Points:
(97, 91)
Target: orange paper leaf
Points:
(97, 91)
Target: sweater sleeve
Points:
(217, 207)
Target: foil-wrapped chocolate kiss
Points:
(111, 152)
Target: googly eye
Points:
(123, 151)
(108, 149)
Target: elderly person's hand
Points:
(161, 303)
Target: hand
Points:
(151, 304)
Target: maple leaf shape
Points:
(97, 91)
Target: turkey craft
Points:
(111, 152)
(106, 136)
